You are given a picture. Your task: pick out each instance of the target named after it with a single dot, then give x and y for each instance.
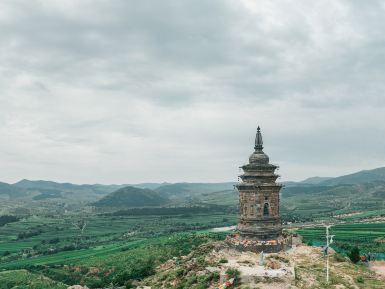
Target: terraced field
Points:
(22, 279)
(368, 237)
(121, 247)
(116, 248)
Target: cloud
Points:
(128, 91)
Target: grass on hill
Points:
(22, 279)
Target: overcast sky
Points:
(137, 91)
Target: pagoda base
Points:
(266, 228)
(243, 243)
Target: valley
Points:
(121, 233)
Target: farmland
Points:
(129, 244)
(368, 237)
(118, 246)
(53, 243)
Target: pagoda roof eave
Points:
(259, 166)
(256, 186)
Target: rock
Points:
(77, 287)
(213, 269)
(273, 264)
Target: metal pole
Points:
(327, 254)
(329, 241)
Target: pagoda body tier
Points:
(259, 216)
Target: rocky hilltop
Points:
(216, 265)
(302, 267)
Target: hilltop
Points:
(302, 267)
(315, 180)
(210, 264)
(132, 197)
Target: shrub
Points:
(54, 241)
(215, 277)
(360, 279)
(201, 261)
(7, 219)
(223, 260)
(180, 272)
(354, 255)
(28, 234)
(233, 273)
(142, 269)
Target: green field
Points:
(368, 237)
(120, 247)
(22, 279)
(125, 245)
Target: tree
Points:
(354, 255)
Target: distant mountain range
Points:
(364, 184)
(66, 187)
(360, 177)
(360, 192)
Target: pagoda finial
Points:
(258, 140)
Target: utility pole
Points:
(329, 241)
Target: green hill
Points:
(11, 191)
(132, 197)
(192, 189)
(360, 177)
(321, 200)
(315, 180)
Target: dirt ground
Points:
(379, 268)
(272, 271)
(301, 267)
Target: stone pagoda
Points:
(259, 225)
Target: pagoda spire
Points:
(258, 140)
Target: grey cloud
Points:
(180, 86)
